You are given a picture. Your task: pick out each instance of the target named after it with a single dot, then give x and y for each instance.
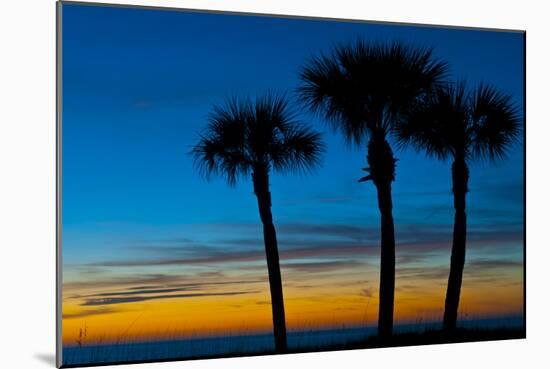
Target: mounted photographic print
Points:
(236, 184)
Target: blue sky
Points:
(138, 85)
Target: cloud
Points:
(414, 243)
(289, 249)
(142, 285)
(122, 300)
(174, 247)
(321, 267)
(480, 270)
(426, 273)
(145, 279)
(409, 257)
(87, 313)
(485, 264)
(344, 231)
(323, 249)
(209, 258)
(147, 291)
(214, 283)
(295, 232)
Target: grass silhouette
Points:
(173, 346)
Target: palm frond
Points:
(221, 150)
(496, 123)
(300, 149)
(261, 133)
(361, 88)
(479, 124)
(327, 91)
(436, 124)
(278, 138)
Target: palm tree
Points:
(255, 137)
(464, 127)
(363, 90)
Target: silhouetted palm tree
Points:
(464, 127)
(254, 137)
(362, 90)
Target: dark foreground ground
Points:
(439, 337)
(311, 341)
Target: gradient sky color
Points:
(152, 250)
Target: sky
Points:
(152, 250)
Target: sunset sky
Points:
(152, 250)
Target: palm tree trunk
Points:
(261, 189)
(382, 169)
(387, 262)
(458, 252)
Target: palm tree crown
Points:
(451, 123)
(247, 135)
(362, 89)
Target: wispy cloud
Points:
(121, 281)
(485, 264)
(92, 312)
(122, 300)
(435, 273)
(139, 284)
(321, 267)
(146, 291)
(415, 242)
